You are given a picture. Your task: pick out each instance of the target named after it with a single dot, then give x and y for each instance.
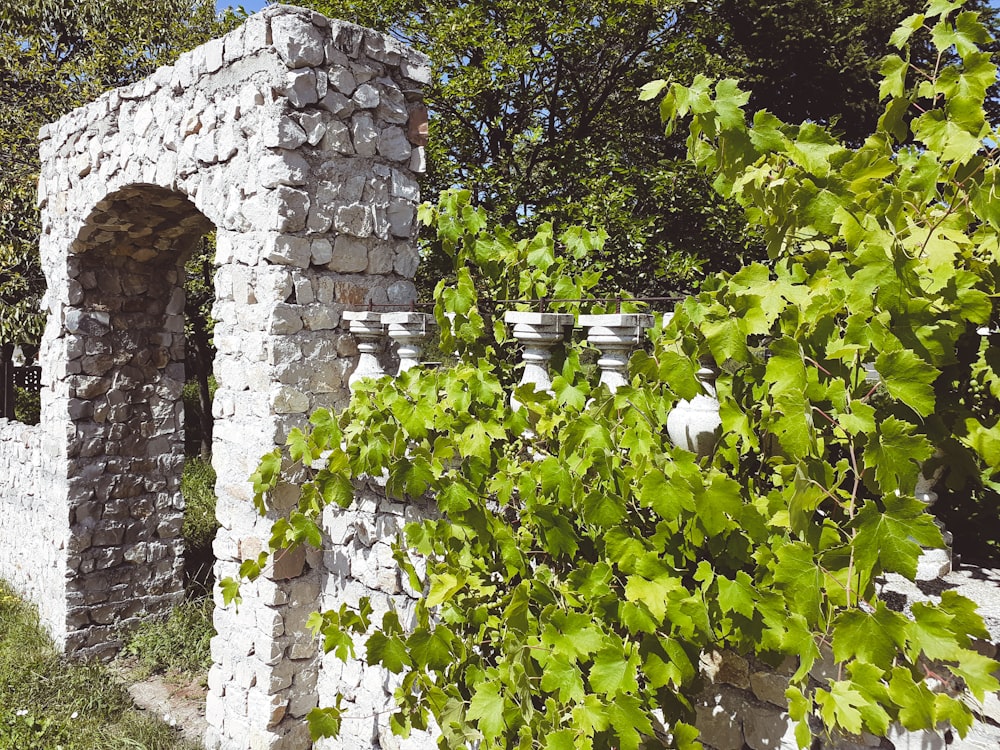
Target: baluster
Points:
(615, 335)
(410, 331)
(538, 332)
(367, 329)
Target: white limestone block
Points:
(406, 261)
(355, 220)
(337, 138)
(364, 134)
(283, 167)
(300, 87)
(393, 145)
(342, 79)
(282, 133)
(404, 186)
(298, 42)
(401, 215)
(287, 400)
(288, 250)
(366, 96)
(314, 127)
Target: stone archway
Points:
(299, 140)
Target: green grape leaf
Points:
(630, 721)
(890, 540)
(562, 739)
(324, 722)
(389, 651)
(486, 709)
(737, 595)
(875, 637)
(839, 706)
(431, 647)
(896, 455)
(559, 675)
(915, 700)
(613, 674)
(908, 378)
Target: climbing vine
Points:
(579, 563)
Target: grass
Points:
(49, 703)
(178, 646)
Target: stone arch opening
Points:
(299, 139)
(125, 338)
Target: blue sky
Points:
(251, 5)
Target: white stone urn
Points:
(933, 563)
(695, 425)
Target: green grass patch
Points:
(49, 703)
(178, 645)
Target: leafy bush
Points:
(27, 405)
(581, 564)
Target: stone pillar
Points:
(616, 335)
(410, 331)
(367, 328)
(539, 333)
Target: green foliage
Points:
(200, 525)
(27, 405)
(177, 645)
(198, 488)
(580, 563)
(47, 702)
(533, 110)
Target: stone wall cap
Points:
(617, 320)
(516, 317)
(406, 317)
(363, 316)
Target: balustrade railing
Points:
(17, 372)
(693, 424)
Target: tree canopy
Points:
(534, 110)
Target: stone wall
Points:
(34, 521)
(358, 562)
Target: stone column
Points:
(539, 333)
(410, 331)
(616, 336)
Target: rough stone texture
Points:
(235, 136)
